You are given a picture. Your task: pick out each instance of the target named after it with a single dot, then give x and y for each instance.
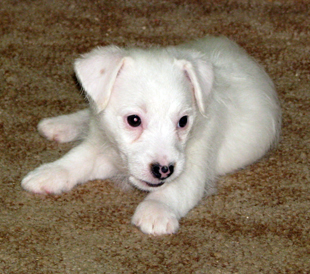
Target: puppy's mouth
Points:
(154, 185)
(140, 183)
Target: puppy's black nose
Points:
(161, 172)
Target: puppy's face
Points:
(149, 117)
(146, 102)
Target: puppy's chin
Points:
(146, 186)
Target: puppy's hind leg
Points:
(65, 128)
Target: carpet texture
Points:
(258, 223)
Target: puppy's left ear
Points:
(97, 72)
(200, 74)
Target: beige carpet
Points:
(258, 223)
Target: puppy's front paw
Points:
(155, 218)
(58, 129)
(48, 179)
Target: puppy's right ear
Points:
(97, 72)
(201, 76)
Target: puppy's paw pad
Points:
(47, 179)
(155, 218)
(58, 129)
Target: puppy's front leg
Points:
(161, 210)
(79, 165)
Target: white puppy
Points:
(170, 120)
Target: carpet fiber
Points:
(258, 223)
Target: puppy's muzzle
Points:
(161, 172)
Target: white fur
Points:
(232, 112)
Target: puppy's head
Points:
(147, 103)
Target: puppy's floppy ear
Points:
(200, 74)
(97, 72)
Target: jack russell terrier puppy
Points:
(166, 120)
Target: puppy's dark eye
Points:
(183, 121)
(134, 120)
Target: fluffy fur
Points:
(170, 120)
